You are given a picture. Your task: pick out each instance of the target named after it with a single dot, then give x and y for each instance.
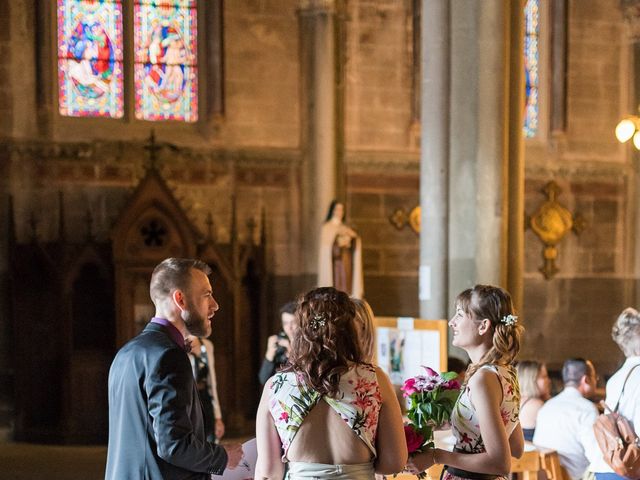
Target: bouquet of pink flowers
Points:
(431, 400)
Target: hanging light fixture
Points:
(628, 128)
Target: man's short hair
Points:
(573, 370)
(174, 274)
(289, 307)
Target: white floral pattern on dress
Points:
(358, 403)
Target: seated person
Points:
(535, 389)
(565, 423)
(277, 353)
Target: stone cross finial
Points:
(153, 148)
(251, 226)
(88, 218)
(211, 235)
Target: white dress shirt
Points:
(565, 424)
(629, 407)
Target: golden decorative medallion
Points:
(414, 219)
(399, 218)
(551, 223)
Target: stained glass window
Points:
(90, 58)
(166, 68)
(531, 57)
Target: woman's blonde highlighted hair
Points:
(626, 332)
(365, 328)
(528, 371)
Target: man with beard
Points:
(156, 427)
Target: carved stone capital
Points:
(631, 12)
(317, 6)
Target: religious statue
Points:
(340, 255)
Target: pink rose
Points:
(452, 385)
(413, 438)
(409, 387)
(284, 416)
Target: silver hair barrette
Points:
(509, 320)
(318, 320)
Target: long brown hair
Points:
(326, 342)
(494, 304)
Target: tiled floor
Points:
(27, 461)
(24, 461)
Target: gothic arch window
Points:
(146, 68)
(90, 77)
(532, 67)
(545, 64)
(166, 66)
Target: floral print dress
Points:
(358, 403)
(465, 424)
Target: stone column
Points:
(486, 159)
(631, 11)
(318, 142)
(515, 154)
(434, 161)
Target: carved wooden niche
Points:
(151, 228)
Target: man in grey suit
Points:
(156, 427)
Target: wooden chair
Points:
(550, 465)
(535, 464)
(527, 466)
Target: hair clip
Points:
(318, 320)
(509, 320)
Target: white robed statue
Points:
(340, 254)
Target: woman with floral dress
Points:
(329, 414)
(484, 420)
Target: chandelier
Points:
(629, 128)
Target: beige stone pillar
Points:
(486, 159)
(631, 11)
(318, 142)
(434, 160)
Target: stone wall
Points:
(379, 119)
(6, 98)
(253, 150)
(390, 255)
(379, 70)
(571, 314)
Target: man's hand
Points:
(219, 429)
(234, 455)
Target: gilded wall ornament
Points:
(551, 223)
(401, 218)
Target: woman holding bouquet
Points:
(330, 414)
(484, 419)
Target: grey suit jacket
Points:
(156, 429)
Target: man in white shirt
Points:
(565, 422)
(626, 333)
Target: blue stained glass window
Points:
(531, 63)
